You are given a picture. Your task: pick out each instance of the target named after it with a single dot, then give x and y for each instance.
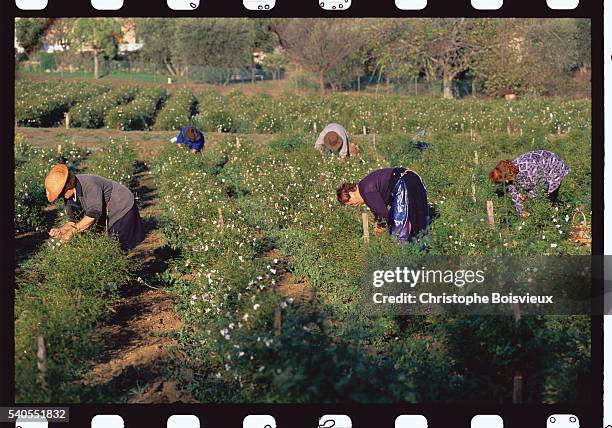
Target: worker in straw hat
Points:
(334, 139)
(190, 138)
(91, 200)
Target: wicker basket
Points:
(581, 229)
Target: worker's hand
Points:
(194, 151)
(379, 230)
(67, 235)
(525, 214)
(56, 232)
(521, 197)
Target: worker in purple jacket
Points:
(528, 173)
(381, 189)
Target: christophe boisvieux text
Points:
(458, 278)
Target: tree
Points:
(321, 46)
(101, 35)
(218, 42)
(500, 56)
(157, 37)
(30, 32)
(442, 46)
(275, 62)
(583, 42)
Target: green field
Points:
(255, 232)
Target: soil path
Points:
(136, 365)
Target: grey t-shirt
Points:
(102, 196)
(338, 129)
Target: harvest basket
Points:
(581, 228)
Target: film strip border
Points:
(310, 8)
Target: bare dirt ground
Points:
(139, 336)
(147, 143)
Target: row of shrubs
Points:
(280, 214)
(138, 114)
(65, 290)
(385, 114)
(178, 111)
(38, 104)
(62, 295)
(43, 104)
(91, 114)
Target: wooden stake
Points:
(517, 390)
(471, 135)
(59, 149)
(476, 160)
(374, 136)
(490, 214)
(366, 227)
(221, 222)
(42, 361)
(67, 118)
(238, 145)
(314, 127)
(365, 130)
(517, 312)
(277, 321)
(473, 188)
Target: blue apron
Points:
(400, 222)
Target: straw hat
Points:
(55, 181)
(332, 141)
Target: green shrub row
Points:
(43, 104)
(91, 113)
(115, 161)
(138, 114)
(62, 295)
(281, 196)
(177, 111)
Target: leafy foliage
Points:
(61, 297)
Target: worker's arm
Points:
(517, 198)
(320, 144)
(377, 205)
(344, 151)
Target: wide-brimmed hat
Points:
(55, 181)
(332, 141)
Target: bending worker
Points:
(528, 173)
(334, 139)
(91, 200)
(399, 188)
(190, 138)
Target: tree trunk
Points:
(448, 88)
(253, 74)
(474, 88)
(96, 64)
(170, 68)
(322, 82)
